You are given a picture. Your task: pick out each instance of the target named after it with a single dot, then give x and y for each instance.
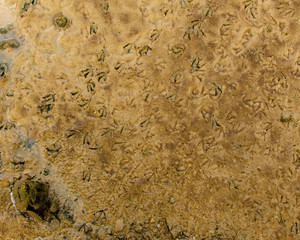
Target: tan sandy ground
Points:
(156, 119)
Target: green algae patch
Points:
(6, 29)
(9, 43)
(61, 21)
(32, 196)
(32, 199)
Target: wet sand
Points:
(151, 119)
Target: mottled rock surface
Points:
(175, 119)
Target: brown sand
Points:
(154, 119)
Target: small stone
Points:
(119, 225)
(172, 200)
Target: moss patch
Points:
(32, 199)
(61, 21)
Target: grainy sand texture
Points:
(149, 119)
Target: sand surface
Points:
(161, 119)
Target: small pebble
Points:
(172, 200)
(119, 225)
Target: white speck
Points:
(13, 200)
